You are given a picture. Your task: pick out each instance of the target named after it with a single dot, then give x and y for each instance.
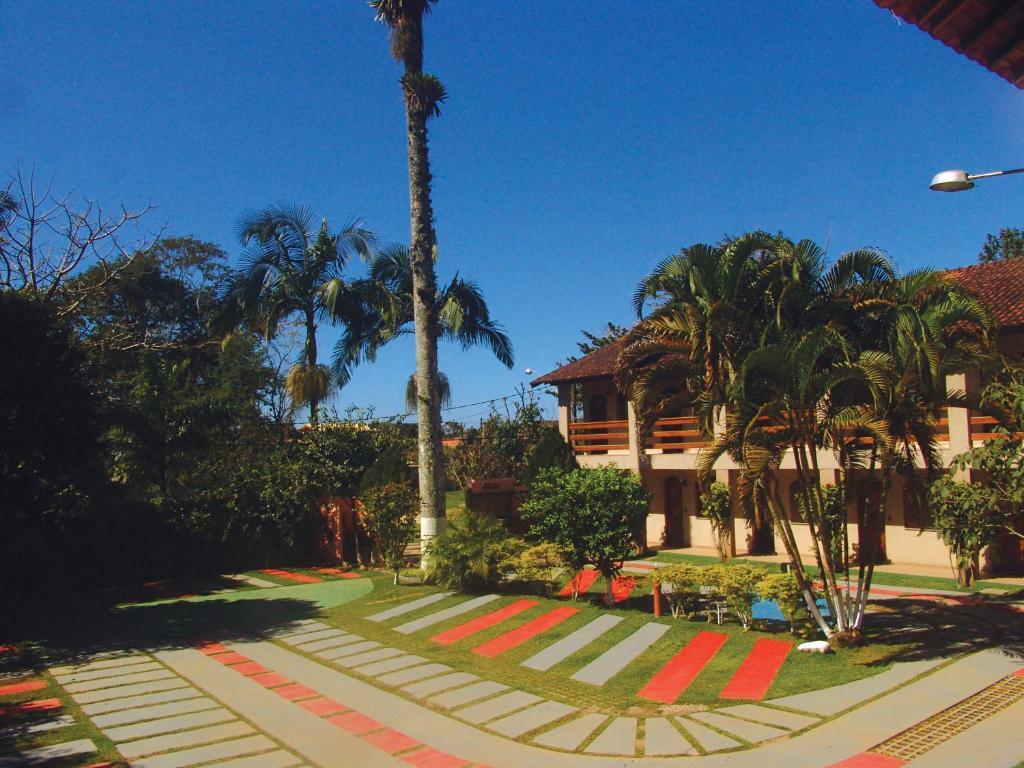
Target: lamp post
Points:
(958, 181)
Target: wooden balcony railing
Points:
(599, 436)
(676, 433)
(984, 427)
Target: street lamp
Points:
(958, 181)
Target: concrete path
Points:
(568, 645)
(615, 659)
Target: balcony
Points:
(589, 437)
(676, 433)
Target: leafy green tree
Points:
(551, 451)
(392, 466)
(716, 506)
(1008, 244)
(467, 554)
(424, 95)
(590, 515)
(388, 513)
(287, 267)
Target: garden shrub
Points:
(388, 513)
(390, 467)
(716, 506)
(536, 566)
(590, 515)
(465, 556)
(785, 591)
(737, 584)
(684, 582)
(965, 515)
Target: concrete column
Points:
(725, 477)
(564, 404)
(635, 449)
(959, 419)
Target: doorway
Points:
(675, 518)
(870, 522)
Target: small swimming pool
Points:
(768, 610)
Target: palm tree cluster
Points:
(291, 267)
(782, 355)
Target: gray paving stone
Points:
(331, 642)
(425, 688)
(492, 709)
(155, 744)
(352, 649)
(122, 691)
(412, 674)
(448, 613)
(368, 657)
(612, 661)
(474, 692)
(709, 740)
(279, 759)
(338, 650)
(138, 714)
(662, 738)
(568, 645)
(573, 733)
(104, 663)
(831, 701)
(391, 665)
(309, 637)
(97, 674)
(131, 702)
(619, 738)
(53, 724)
(108, 682)
(413, 605)
(756, 712)
(301, 627)
(531, 719)
(752, 732)
(42, 755)
(187, 757)
(168, 724)
(252, 581)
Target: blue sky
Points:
(582, 142)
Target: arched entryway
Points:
(870, 522)
(675, 519)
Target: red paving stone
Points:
(755, 675)
(869, 760)
(483, 622)
(583, 580)
(673, 678)
(295, 691)
(355, 722)
(271, 679)
(391, 741)
(230, 658)
(25, 687)
(323, 706)
(39, 705)
(8, 649)
(1019, 672)
(527, 631)
(622, 586)
(428, 757)
(212, 649)
(250, 668)
(338, 573)
(302, 578)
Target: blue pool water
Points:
(768, 610)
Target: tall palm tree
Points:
(424, 94)
(388, 311)
(286, 267)
(411, 392)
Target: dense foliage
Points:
(591, 515)
(388, 513)
(716, 506)
(466, 556)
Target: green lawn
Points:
(801, 672)
(880, 578)
(454, 500)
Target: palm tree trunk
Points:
(311, 362)
(424, 304)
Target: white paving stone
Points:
(99, 663)
(130, 679)
(531, 719)
(412, 674)
(709, 740)
(339, 650)
(155, 744)
(662, 738)
(443, 615)
(619, 738)
(301, 627)
(308, 637)
(133, 702)
(252, 581)
(278, 759)
(137, 714)
(573, 733)
(52, 724)
(42, 755)
(390, 665)
(330, 642)
(368, 657)
(122, 691)
(188, 757)
(409, 607)
(787, 720)
(97, 674)
(474, 692)
(352, 649)
(425, 688)
(568, 645)
(752, 732)
(168, 724)
(612, 661)
(492, 709)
